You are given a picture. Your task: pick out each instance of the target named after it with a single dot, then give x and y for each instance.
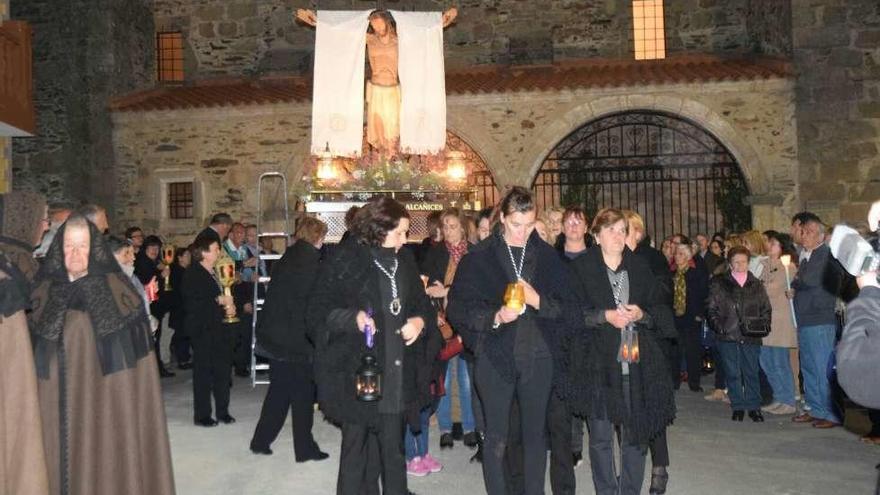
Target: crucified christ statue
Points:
(383, 86)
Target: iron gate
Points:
(679, 177)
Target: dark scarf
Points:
(13, 288)
(115, 309)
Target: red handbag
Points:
(451, 349)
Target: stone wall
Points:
(837, 57)
(224, 150)
(84, 51)
(259, 36)
(768, 25)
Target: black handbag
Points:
(752, 327)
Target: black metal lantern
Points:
(708, 362)
(369, 380)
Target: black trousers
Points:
(559, 430)
(242, 359)
(532, 388)
(691, 345)
(291, 388)
(158, 309)
(212, 363)
(181, 344)
(368, 453)
(659, 445)
(476, 404)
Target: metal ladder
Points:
(257, 301)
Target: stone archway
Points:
(677, 175)
(749, 160)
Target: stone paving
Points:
(710, 455)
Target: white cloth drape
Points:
(338, 86)
(422, 81)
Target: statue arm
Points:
(449, 16)
(307, 16)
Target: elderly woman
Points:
(739, 314)
(778, 347)
(370, 285)
(516, 349)
(284, 335)
(212, 339)
(611, 389)
(690, 287)
(100, 400)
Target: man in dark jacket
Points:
(816, 287)
(219, 228)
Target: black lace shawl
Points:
(13, 288)
(115, 308)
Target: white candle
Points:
(786, 260)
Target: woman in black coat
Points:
(283, 334)
(367, 275)
(212, 340)
(738, 299)
(690, 288)
(618, 290)
(516, 351)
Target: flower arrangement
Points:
(374, 171)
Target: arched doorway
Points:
(479, 176)
(676, 174)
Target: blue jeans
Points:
(741, 370)
(817, 344)
(444, 410)
(777, 367)
(417, 445)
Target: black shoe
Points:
(756, 416)
(261, 450)
(164, 373)
(185, 366)
(446, 441)
(470, 439)
(738, 415)
(243, 373)
(226, 419)
(457, 431)
(206, 422)
(696, 388)
(659, 478)
(315, 456)
(478, 455)
(577, 458)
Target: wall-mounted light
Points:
(456, 166)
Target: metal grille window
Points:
(180, 200)
(679, 177)
(169, 56)
(649, 33)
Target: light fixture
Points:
(456, 168)
(326, 169)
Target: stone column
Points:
(5, 142)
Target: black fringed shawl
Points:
(116, 310)
(596, 380)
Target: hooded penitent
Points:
(100, 402)
(20, 216)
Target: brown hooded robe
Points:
(101, 405)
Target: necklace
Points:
(395, 305)
(517, 270)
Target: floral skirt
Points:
(383, 116)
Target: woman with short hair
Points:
(739, 311)
(284, 335)
(212, 339)
(517, 348)
(610, 386)
(690, 287)
(370, 285)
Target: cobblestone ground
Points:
(710, 455)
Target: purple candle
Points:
(368, 330)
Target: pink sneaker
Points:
(431, 464)
(416, 467)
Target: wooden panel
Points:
(16, 84)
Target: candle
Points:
(786, 260)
